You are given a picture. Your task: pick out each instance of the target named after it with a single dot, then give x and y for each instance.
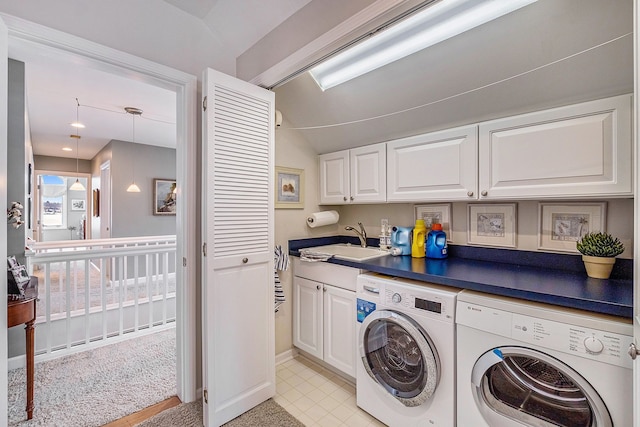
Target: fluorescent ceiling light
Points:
(443, 20)
(67, 149)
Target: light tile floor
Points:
(318, 397)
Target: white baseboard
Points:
(286, 355)
(16, 362)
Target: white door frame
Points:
(105, 200)
(27, 35)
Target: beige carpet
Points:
(266, 414)
(97, 386)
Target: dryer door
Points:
(399, 355)
(515, 386)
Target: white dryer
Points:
(405, 367)
(529, 364)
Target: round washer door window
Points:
(400, 356)
(532, 388)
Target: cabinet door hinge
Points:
(206, 396)
(204, 249)
(184, 261)
(204, 104)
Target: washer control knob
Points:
(593, 345)
(396, 298)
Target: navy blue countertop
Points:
(557, 279)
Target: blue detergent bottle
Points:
(437, 242)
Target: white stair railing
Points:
(94, 291)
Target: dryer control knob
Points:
(593, 345)
(396, 298)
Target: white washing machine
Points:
(529, 364)
(405, 367)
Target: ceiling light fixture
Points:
(67, 149)
(432, 25)
(133, 188)
(77, 186)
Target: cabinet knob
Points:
(344, 198)
(484, 193)
(470, 193)
(633, 351)
(318, 287)
(324, 289)
(351, 198)
(245, 260)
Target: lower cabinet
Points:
(324, 318)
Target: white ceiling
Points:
(54, 80)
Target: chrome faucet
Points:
(362, 234)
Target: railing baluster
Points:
(136, 320)
(87, 301)
(103, 292)
(120, 311)
(47, 296)
(166, 284)
(149, 293)
(68, 292)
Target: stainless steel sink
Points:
(349, 252)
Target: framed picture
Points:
(289, 188)
(77, 204)
(492, 225)
(12, 262)
(561, 225)
(29, 179)
(96, 202)
(164, 196)
(20, 274)
(440, 214)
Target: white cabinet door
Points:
(334, 178)
(238, 330)
(353, 176)
(581, 150)
(368, 174)
(307, 316)
(434, 166)
(339, 329)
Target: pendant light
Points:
(77, 186)
(133, 188)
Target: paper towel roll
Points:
(318, 219)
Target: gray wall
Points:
(132, 213)
(61, 164)
(18, 157)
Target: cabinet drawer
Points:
(336, 275)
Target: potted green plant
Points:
(598, 253)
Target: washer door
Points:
(399, 355)
(515, 386)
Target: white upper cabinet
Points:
(435, 166)
(582, 150)
(334, 178)
(353, 176)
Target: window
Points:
(60, 207)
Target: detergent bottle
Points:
(437, 242)
(418, 240)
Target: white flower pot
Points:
(598, 267)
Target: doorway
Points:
(50, 43)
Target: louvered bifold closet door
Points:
(238, 288)
(241, 190)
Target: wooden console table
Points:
(24, 311)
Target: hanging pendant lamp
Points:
(77, 186)
(133, 188)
